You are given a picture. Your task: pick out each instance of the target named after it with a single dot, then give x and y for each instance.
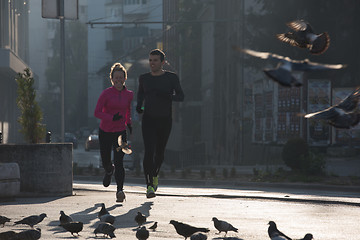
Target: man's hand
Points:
(139, 110)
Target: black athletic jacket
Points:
(158, 92)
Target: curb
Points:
(229, 184)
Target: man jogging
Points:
(157, 90)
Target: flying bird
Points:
(103, 210)
(154, 226)
(64, 218)
(124, 146)
(4, 220)
(32, 220)
(345, 114)
(186, 230)
(31, 234)
(105, 228)
(274, 233)
(223, 226)
(338, 119)
(303, 36)
(140, 218)
(73, 227)
(283, 72)
(142, 233)
(198, 236)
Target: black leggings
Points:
(156, 132)
(109, 141)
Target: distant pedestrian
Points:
(114, 110)
(157, 89)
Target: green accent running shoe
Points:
(155, 182)
(150, 192)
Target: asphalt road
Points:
(326, 214)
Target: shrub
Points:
(31, 114)
(313, 164)
(294, 151)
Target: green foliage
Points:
(297, 156)
(31, 114)
(294, 151)
(313, 164)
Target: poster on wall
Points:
(345, 137)
(319, 98)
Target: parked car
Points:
(70, 137)
(92, 141)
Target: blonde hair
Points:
(117, 67)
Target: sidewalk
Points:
(227, 189)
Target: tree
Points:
(31, 114)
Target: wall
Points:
(44, 168)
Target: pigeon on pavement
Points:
(303, 36)
(186, 230)
(4, 220)
(142, 233)
(64, 218)
(154, 226)
(32, 234)
(274, 233)
(283, 72)
(7, 235)
(223, 226)
(32, 220)
(73, 227)
(105, 228)
(107, 218)
(307, 236)
(198, 236)
(140, 219)
(103, 210)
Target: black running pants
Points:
(156, 132)
(109, 142)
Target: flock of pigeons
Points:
(343, 115)
(106, 227)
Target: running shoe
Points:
(155, 183)
(150, 192)
(120, 196)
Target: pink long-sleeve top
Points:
(110, 102)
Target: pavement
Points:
(84, 204)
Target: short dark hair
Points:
(117, 67)
(158, 52)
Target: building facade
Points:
(14, 58)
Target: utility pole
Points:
(62, 67)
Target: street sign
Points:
(51, 9)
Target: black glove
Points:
(139, 110)
(164, 95)
(129, 127)
(117, 117)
